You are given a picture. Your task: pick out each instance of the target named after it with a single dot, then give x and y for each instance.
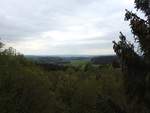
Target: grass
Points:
(79, 62)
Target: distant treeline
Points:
(66, 60)
(105, 59)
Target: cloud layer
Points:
(63, 27)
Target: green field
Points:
(79, 62)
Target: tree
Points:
(135, 64)
(1, 47)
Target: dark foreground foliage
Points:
(27, 88)
(135, 63)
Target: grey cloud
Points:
(22, 20)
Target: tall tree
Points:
(136, 62)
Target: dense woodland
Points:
(27, 87)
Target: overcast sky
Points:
(63, 27)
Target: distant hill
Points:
(104, 59)
(57, 59)
(60, 60)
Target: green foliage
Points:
(23, 87)
(27, 88)
(135, 64)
